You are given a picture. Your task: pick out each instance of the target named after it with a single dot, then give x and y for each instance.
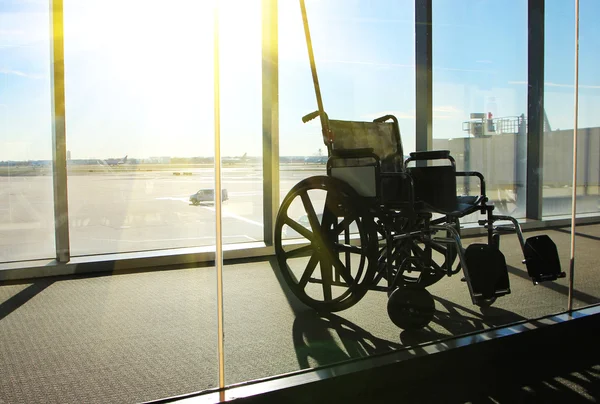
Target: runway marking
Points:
(246, 193)
(172, 239)
(234, 216)
(170, 198)
(187, 199)
(21, 226)
(226, 213)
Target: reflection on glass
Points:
(139, 106)
(26, 196)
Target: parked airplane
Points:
(235, 160)
(116, 162)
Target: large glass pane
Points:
(559, 100)
(588, 160)
(240, 39)
(479, 113)
(559, 74)
(140, 140)
(480, 95)
(364, 54)
(587, 287)
(140, 125)
(26, 198)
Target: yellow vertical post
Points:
(59, 143)
(218, 201)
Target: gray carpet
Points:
(143, 336)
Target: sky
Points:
(141, 83)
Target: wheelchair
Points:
(380, 221)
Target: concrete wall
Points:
(501, 158)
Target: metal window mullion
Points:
(574, 187)
(424, 73)
(535, 109)
(59, 146)
(270, 117)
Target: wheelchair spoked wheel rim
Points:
(335, 268)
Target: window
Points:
(480, 95)
(139, 124)
(26, 196)
(240, 45)
(588, 148)
(364, 54)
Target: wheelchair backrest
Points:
(383, 138)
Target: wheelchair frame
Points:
(377, 229)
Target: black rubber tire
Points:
(410, 307)
(342, 200)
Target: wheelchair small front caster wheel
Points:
(410, 307)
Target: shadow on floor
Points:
(587, 299)
(21, 298)
(324, 338)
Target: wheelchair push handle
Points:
(310, 117)
(327, 134)
(385, 118)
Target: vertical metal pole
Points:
(574, 191)
(535, 109)
(327, 138)
(424, 71)
(467, 165)
(59, 145)
(270, 117)
(520, 177)
(218, 201)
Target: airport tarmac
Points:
(116, 210)
(125, 211)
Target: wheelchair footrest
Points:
(487, 273)
(541, 258)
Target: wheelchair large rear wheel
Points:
(331, 259)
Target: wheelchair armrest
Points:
(365, 152)
(430, 155)
(474, 174)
